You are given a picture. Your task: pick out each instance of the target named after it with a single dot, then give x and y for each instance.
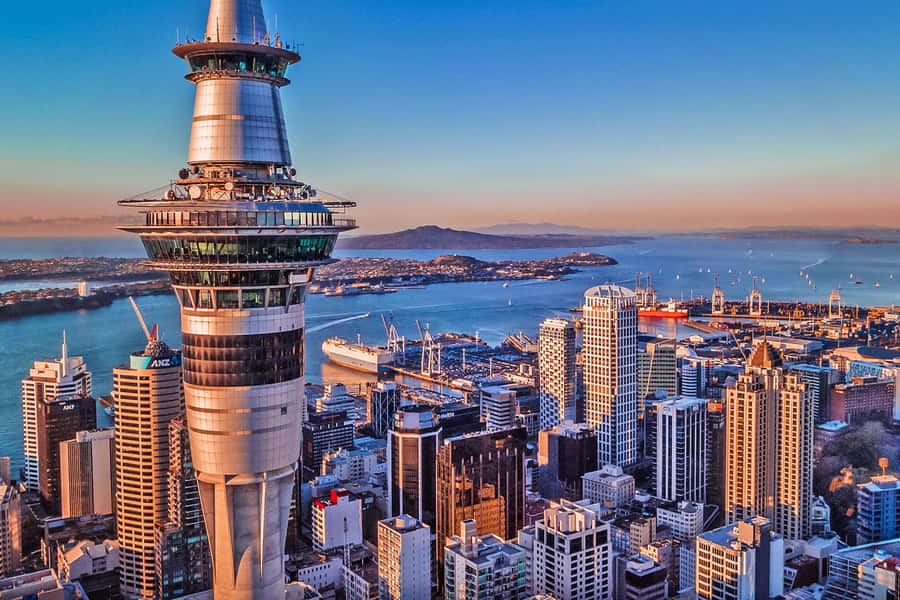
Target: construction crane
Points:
(151, 335)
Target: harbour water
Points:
(681, 267)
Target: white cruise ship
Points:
(358, 356)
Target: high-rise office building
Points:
(481, 476)
(482, 567)
(743, 561)
(657, 369)
(86, 473)
(769, 428)
(48, 379)
(241, 238)
(716, 447)
(147, 394)
(572, 553)
(818, 379)
(610, 371)
(498, 406)
(692, 377)
(556, 369)
(382, 401)
(681, 458)
(58, 420)
(324, 433)
(183, 561)
(404, 558)
(878, 510)
(10, 529)
(411, 454)
(565, 453)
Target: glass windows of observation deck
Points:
(255, 298)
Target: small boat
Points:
(678, 277)
(510, 302)
(858, 282)
(878, 285)
(506, 285)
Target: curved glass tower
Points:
(240, 238)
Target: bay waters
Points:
(106, 336)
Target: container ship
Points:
(358, 356)
(669, 311)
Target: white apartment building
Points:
(610, 371)
(64, 376)
(404, 559)
(336, 520)
(572, 552)
(556, 367)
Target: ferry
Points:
(669, 311)
(357, 356)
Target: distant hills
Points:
(433, 237)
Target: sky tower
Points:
(241, 237)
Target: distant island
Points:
(345, 277)
(865, 240)
(431, 237)
(847, 235)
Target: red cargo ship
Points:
(670, 311)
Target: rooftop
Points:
(765, 355)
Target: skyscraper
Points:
(681, 449)
(556, 369)
(48, 379)
(610, 371)
(481, 476)
(769, 432)
(404, 558)
(241, 238)
(565, 454)
(59, 419)
(86, 465)
(411, 453)
(382, 401)
(147, 394)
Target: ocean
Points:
(682, 266)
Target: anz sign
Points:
(156, 362)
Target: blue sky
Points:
(630, 115)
